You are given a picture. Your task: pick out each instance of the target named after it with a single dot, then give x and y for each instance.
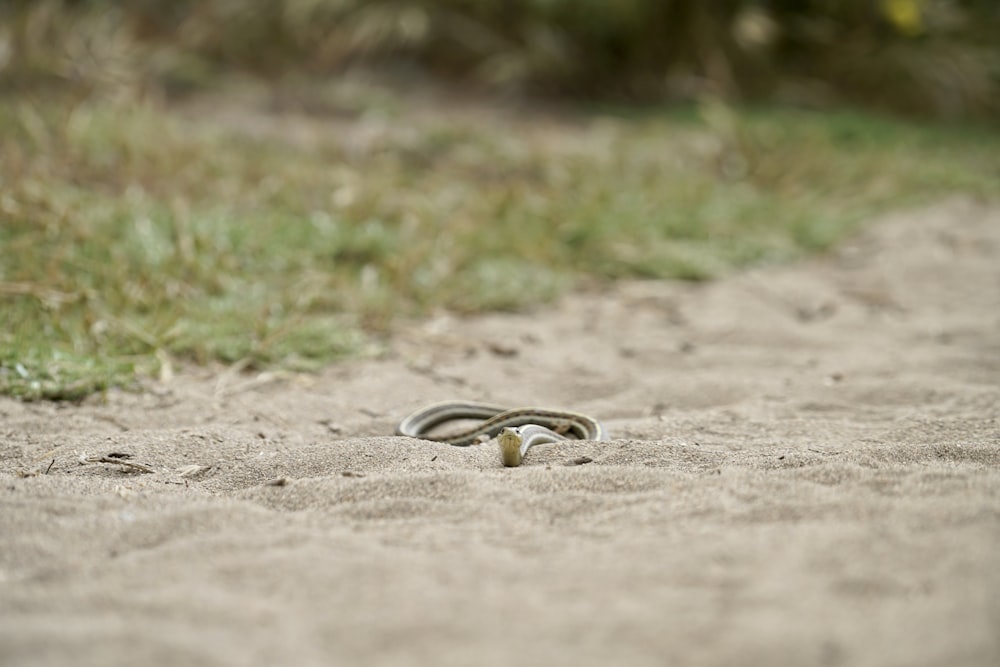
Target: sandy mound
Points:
(805, 469)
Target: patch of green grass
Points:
(133, 235)
(31, 371)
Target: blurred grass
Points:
(134, 235)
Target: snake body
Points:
(516, 429)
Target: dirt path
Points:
(805, 469)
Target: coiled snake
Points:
(516, 430)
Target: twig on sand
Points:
(117, 458)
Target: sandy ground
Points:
(804, 470)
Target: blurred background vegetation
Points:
(276, 183)
(926, 57)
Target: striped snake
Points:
(516, 430)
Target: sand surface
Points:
(804, 470)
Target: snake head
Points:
(510, 446)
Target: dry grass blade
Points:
(117, 459)
(51, 298)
